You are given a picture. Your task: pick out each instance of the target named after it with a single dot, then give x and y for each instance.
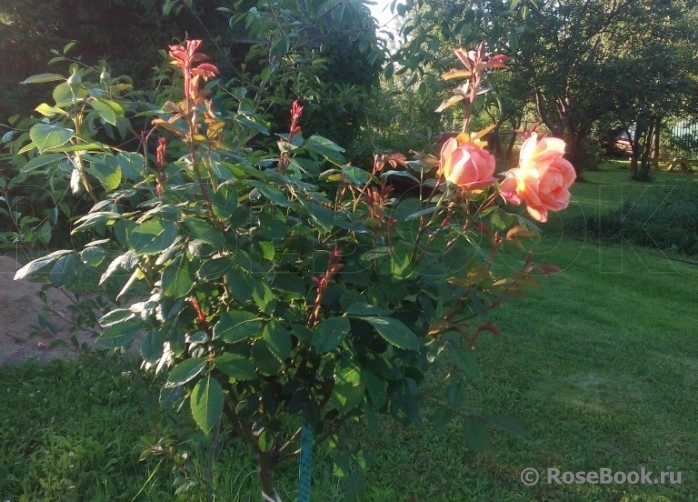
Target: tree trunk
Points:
(266, 475)
(515, 124)
(655, 141)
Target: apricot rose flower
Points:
(467, 165)
(542, 179)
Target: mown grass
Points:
(600, 363)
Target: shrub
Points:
(665, 217)
(286, 293)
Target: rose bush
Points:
(284, 293)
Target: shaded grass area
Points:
(600, 363)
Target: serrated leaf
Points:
(225, 202)
(185, 371)
(116, 316)
(207, 403)
(152, 236)
(362, 309)
(466, 361)
(49, 111)
(42, 78)
(325, 147)
(348, 390)
(35, 265)
(152, 345)
(278, 339)
(120, 334)
(395, 332)
(214, 269)
(64, 269)
(330, 333)
(266, 362)
(423, 212)
(177, 278)
(376, 387)
(46, 136)
(42, 160)
(234, 326)
(236, 366)
(356, 176)
(203, 230)
(109, 175)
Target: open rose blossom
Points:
(467, 165)
(542, 179)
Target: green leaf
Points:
(152, 345)
(234, 326)
(354, 490)
(46, 136)
(325, 217)
(104, 110)
(325, 147)
(62, 93)
(225, 202)
(152, 236)
(42, 160)
(423, 212)
(264, 297)
(394, 332)
(475, 433)
(362, 309)
(214, 269)
(400, 261)
(201, 229)
(267, 363)
(131, 164)
(207, 403)
(49, 111)
(177, 279)
(508, 423)
(348, 390)
(330, 333)
(42, 78)
(355, 175)
(64, 269)
(239, 284)
(455, 394)
(376, 387)
(236, 366)
(109, 175)
(465, 360)
(120, 334)
(35, 265)
(267, 250)
(278, 339)
(116, 316)
(375, 253)
(93, 256)
(185, 371)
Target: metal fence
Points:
(683, 138)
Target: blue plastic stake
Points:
(306, 463)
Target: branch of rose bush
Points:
(424, 224)
(235, 420)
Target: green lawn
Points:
(601, 363)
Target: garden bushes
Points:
(664, 217)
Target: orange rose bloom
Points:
(467, 165)
(542, 179)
